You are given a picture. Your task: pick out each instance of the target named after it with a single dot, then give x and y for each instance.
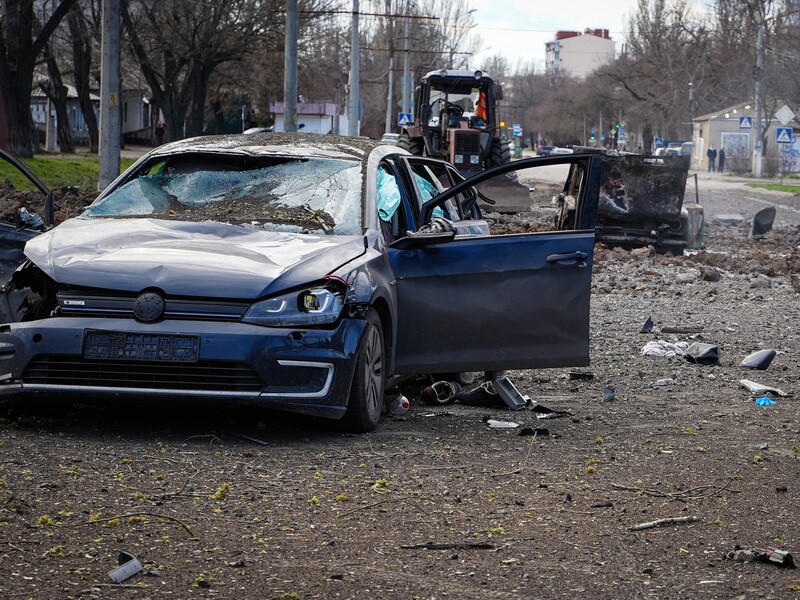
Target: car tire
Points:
(499, 153)
(366, 391)
(413, 145)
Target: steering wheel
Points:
(448, 107)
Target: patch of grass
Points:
(58, 171)
(777, 187)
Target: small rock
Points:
(761, 282)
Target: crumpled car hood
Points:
(186, 259)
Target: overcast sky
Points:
(519, 29)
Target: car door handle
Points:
(567, 256)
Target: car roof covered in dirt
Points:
(265, 144)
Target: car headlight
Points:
(315, 306)
(475, 159)
(458, 158)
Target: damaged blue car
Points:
(293, 272)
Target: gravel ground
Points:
(436, 504)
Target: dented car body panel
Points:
(246, 269)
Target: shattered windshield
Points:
(275, 193)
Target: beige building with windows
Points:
(576, 54)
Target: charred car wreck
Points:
(641, 203)
(293, 272)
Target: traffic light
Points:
(593, 138)
(616, 125)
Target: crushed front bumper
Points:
(307, 371)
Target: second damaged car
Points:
(300, 273)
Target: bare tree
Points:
(84, 24)
(21, 43)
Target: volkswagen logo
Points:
(148, 307)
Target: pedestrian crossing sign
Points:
(404, 119)
(784, 135)
(745, 122)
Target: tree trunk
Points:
(82, 64)
(57, 92)
(199, 92)
(18, 52)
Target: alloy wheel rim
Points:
(374, 369)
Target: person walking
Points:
(712, 157)
(721, 163)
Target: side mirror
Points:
(415, 239)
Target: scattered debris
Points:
(537, 431)
(758, 389)
(483, 395)
(129, 566)
(495, 424)
(580, 376)
(664, 348)
(770, 555)
(441, 392)
(761, 282)
(759, 360)
(510, 395)
(605, 504)
(765, 401)
(665, 382)
(609, 394)
(702, 354)
(762, 223)
(435, 546)
(660, 522)
(543, 412)
(397, 404)
(647, 327)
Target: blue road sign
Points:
(592, 131)
(745, 122)
(659, 141)
(602, 137)
(517, 129)
(784, 135)
(404, 119)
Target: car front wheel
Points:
(366, 392)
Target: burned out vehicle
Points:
(293, 272)
(641, 203)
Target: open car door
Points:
(473, 301)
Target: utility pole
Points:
(110, 131)
(290, 68)
(390, 91)
(758, 125)
(407, 67)
(355, 77)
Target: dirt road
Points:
(436, 504)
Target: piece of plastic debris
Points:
(665, 382)
(537, 431)
(664, 348)
(759, 360)
(765, 401)
(758, 389)
(581, 376)
(510, 394)
(495, 424)
(397, 404)
(609, 394)
(781, 558)
(702, 354)
(129, 566)
(762, 222)
(543, 412)
(647, 327)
